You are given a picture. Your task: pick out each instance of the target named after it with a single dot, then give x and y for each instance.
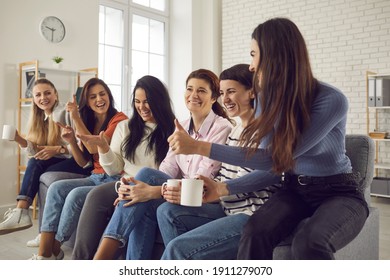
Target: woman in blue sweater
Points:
(299, 135)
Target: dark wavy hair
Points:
(87, 114)
(213, 82)
(285, 92)
(161, 107)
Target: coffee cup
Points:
(118, 185)
(9, 132)
(191, 192)
(169, 183)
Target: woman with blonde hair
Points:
(46, 150)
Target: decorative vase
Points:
(57, 65)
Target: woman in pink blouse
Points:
(134, 220)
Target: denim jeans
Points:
(214, 240)
(64, 201)
(35, 168)
(174, 220)
(96, 213)
(137, 223)
(336, 213)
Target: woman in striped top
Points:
(181, 223)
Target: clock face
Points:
(52, 29)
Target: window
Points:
(111, 50)
(155, 4)
(132, 43)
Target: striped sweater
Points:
(245, 203)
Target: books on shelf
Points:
(30, 79)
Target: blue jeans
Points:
(202, 233)
(174, 220)
(336, 215)
(35, 168)
(137, 223)
(64, 201)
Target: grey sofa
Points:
(361, 150)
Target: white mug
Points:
(118, 185)
(191, 192)
(9, 132)
(169, 183)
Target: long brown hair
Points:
(43, 132)
(285, 92)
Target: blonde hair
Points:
(43, 132)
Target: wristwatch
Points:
(62, 150)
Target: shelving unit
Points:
(66, 82)
(381, 183)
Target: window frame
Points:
(129, 9)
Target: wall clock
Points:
(52, 29)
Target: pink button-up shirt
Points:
(214, 129)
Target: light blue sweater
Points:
(321, 151)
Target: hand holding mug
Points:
(213, 190)
(171, 190)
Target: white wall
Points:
(195, 43)
(21, 41)
(345, 38)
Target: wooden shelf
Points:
(382, 165)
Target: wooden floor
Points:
(13, 246)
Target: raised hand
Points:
(72, 107)
(67, 133)
(180, 142)
(99, 140)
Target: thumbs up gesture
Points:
(180, 142)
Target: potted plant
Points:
(57, 61)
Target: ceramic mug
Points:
(9, 132)
(191, 192)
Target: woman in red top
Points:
(65, 198)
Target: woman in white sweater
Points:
(136, 143)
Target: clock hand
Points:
(52, 29)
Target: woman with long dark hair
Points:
(298, 135)
(135, 214)
(136, 143)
